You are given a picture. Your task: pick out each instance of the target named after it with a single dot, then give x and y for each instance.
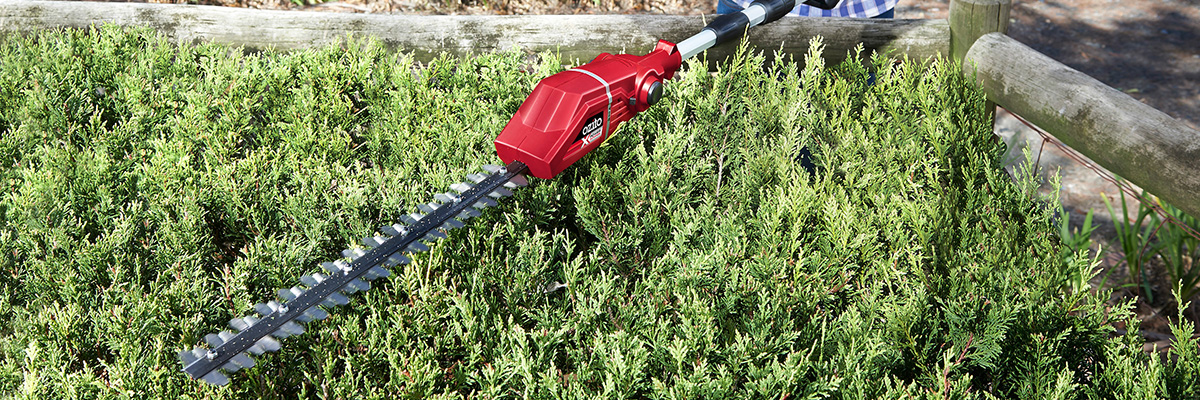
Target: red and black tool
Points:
(566, 116)
(570, 113)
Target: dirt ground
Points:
(1149, 49)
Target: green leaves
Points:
(700, 258)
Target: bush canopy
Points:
(153, 191)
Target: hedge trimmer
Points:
(567, 115)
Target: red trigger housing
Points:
(570, 113)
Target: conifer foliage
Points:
(153, 191)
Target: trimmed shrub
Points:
(154, 191)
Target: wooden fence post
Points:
(970, 19)
(1133, 140)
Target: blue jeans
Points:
(728, 6)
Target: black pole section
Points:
(776, 9)
(733, 25)
(728, 26)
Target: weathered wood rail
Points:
(1136, 141)
(1125, 136)
(573, 36)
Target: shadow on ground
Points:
(1150, 49)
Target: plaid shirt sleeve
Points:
(847, 8)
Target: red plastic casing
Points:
(548, 131)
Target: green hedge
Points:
(151, 192)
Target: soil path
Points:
(1149, 49)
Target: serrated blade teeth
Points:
(287, 329)
(396, 259)
(213, 340)
(313, 280)
(516, 182)
(394, 230)
(187, 357)
(468, 213)
(263, 309)
(358, 285)
(304, 317)
(250, 319)
(484, 202)
(417, 247)
(337, 267)
(353, 286)
(216, 378)
(500, 192)
(238, 362)
(268, 343)
(241, 324)
(290, 328)
(256, 349)
(376, 272)
(312, 313)
(412, 219)
(373, 241)
(353, 254)
(311, 308)
(315, 313)
(290, 294)
(335, 299)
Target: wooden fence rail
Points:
(1133, 140)
(574, 36)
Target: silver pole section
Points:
(707, 38)
(696, 44)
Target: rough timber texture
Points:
(574, 36)
(970, 19)
(1129, 138)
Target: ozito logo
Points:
(592, 129)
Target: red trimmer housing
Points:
(570, 113)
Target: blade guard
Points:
(570, 113)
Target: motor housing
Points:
(571, 113)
